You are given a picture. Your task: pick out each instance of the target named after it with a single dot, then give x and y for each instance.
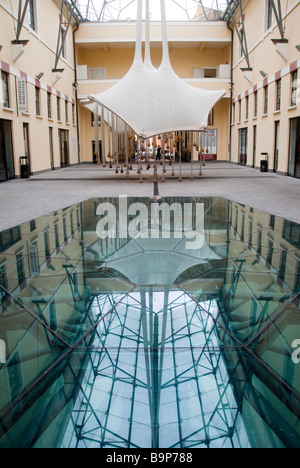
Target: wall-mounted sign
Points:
(22, 94)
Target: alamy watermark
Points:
(296, 353)
(2, 352)
(152, 221)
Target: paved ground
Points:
(23, 200)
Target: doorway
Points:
(64, 148)
(276, 146)
(26, 143)
(254, 145)
(294, 154)
(6, 151)
(51, 148)
(243, 146)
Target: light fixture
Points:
(264, 74)
(40, 75)
(298, 47)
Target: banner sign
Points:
(22, 94)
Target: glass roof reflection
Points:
(125, 10)
(136, 340)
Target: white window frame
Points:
(35, 14)
(266, 17)
(2, 90)
(64, 50)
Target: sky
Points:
(177, 10)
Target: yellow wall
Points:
(39, 56)
(112, 47)
(263, 57)
(118, 61)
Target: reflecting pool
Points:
(150, 323)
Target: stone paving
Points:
(23, 200)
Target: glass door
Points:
(254, 144)
(26, 142)
(243, 146)
(51, 148)
(297, 156)
(6, 151)
(64, 148)
(276, 149)
(294, 155)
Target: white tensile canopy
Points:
(154, 101)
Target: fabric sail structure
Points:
(153, 101)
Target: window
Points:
(259, 242)
(297, 286)
(37, 101)
(56, 235)
(3, 282)
(240, 111)
(294, 88)
(9, 238)
(73, 114)
(49, 106)
(278, 94)
(58, 109)
(47, 245)
(236, 220)
(255, 103)
(65, 229)
(272, 222)
(270, 251)
(243, 228)
(78, 218)
(67, 111)
(20, 267)
(72, 223)
(63, 42)
(250, 231)
(269, 14)
(97, 73)
(34, 258)
(233, 113)
(247, 107)
(32, 15)
(5, 89)
(210, 72)
(242, 41)
(291, 233)
(266, 99)
(282, 268)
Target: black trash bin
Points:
(25, 169)
(264, 163)
(264, 166)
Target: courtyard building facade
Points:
(51, 60)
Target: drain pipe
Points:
(76, 92)
(231, 93)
